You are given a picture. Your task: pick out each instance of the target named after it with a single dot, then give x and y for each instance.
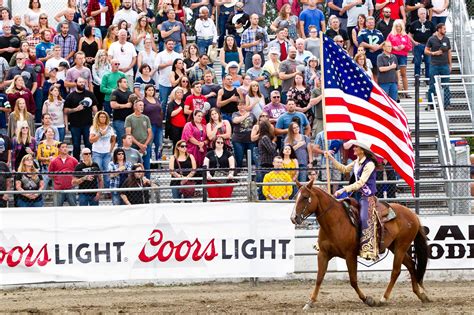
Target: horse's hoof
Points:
(370, 301)
(381, 302)
(425, 298)
(308, 306)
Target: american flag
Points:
(358, 109)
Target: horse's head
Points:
(304, 203)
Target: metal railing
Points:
(463, 35)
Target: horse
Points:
(339, 238)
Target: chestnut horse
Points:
(338, 238)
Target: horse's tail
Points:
(421, 254)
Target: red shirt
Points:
(394, 6)
(179, 120)
(196, 103)
(57, 165)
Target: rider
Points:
(364, 182)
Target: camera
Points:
(259, 36)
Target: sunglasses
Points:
(275, 96)
(86, 153)
(340, 41)
(183, 146)
(219, 142)
(116, 63)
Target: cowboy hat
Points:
(364, 144)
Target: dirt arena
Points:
(266, 297)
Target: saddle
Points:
(384, 213)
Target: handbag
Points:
(188, 192)
(212, 52)
(219, 173)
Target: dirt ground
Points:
(266, 297)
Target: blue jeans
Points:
(391, 89)
(440, 70)
(178, 48)
(177, 195)
(77, 133)
(62, 134)
(157, 141)
(107, 107)
(87, 200)
(227, 117)
(103, 160)
(116, 199)
(419, 57)
(38, 97)
(302, 173)
(223, 17)
(32, 204)
(119, 126)
(61, 197)
(165, 92)
(240, 150)
(438, 19)
(203, 45)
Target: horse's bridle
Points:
(306, 207)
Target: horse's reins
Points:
(306, 207)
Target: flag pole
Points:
(323, 100)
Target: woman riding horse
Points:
(364, 182)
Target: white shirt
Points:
(206, 29)
(124, 53)
(354, 12)
(164, 73)
(131, 16)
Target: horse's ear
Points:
(298, 184)
(310, 184)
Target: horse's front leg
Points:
(323, 260)
(351, 262)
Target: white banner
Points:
(164, 241)
(450, 242)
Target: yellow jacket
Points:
(277, 192)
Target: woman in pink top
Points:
(401, 44)
(194, 133)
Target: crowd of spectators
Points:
(117, 77)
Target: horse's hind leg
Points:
(322, 268)
(351, 263)
(417, 288)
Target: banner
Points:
(450, 242)
(160, 241)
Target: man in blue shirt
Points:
(284, 121)
(311, 16)
(371, 39)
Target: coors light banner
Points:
(179, 241)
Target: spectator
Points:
(143, 80)
(172, 29)
(230, 52)
(141, 31)
(136, 180)
(71, 4)
(197, 71)
(361, 61)
(311, 16)
(209, 88)
(301, 94)
(17, 27)
(125, 53)
(44, 25)
(290, 162)
(18, 116)
(164, 63)
(336, 9)
(397, 8)
(25, 71)
(74, 29)
(102, 12)
(109, 83)
(132, 155)
(361, 25)
(439, 48)
(66, 41)
(32, 13)
(139, 127)
(196, 101)
(178, 71)
(257, 74)
(355, 9)
(63, 163)
(121, 107)
(287, 72)
(225, 8)
(271, 68)
(340, 42)
(23, 50)
(111, 37)
(47, 151)
(319, 148)
(89, 44)
(385, 24)
(291, 115)
(371, 39)
(311, 72)
(401, 45)
(118, 168)
(245, 87)
(194, 133)
(29, 182)
(141, 6)
(85, 180)
(5, 150)
(22, 144)
(37, 91)
(79, 71)
(387, 64)
(103, 139)
(280, 45)
(184, 84)
(439, 11)
(176, 119)
(206, 32)
(9, 43)
(46, 122)
(80, 106)
(218, 127)
(257, 7)
(221, 163)
(267, 150)
(278, 175)
(335, 29)
(45, 47)
(286, 19)
(191, 56)
(126, 13)
(54, 107)
(55, 60)
(254, 101)
(242, 123)
(228, 98)
(275, 108)
(148, 56)
(303, 149)
(5, 182)
(154, 111)
(420, 31)
(413, 6)
(17, 90)
(182, 166)
(254, 40)
(237, 22)
(35, 37)
(4, 67)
